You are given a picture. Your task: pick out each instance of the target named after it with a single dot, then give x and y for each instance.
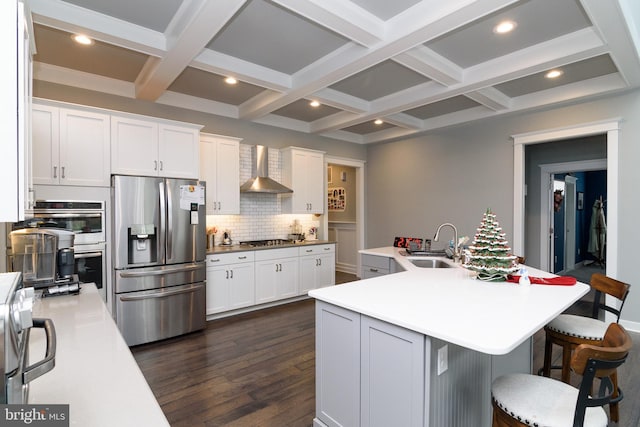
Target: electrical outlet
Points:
(443, 356)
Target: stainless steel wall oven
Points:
(87, 220)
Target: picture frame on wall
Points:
(580, 201)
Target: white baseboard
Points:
(346, 268)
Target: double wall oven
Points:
(87, 220)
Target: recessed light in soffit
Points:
(202, 84)
(368, 127)
(573, 73)
(538, 21)
(300, 110)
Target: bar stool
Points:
(569, 331)
(530, 400)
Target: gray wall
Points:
(453, 175)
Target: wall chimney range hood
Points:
(260, 181)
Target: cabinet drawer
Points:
(316, 249)
(267, 254)
(230, 258)
(380, 262)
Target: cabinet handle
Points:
(214, 259)
(327, 249)
(373, 270)
(232, 274)
(242, 257)
(319, 261)
(155, 165)
(161, 165)
(55, 171)
(219, 206)
(227, 271)
(309, 250)
(62, 170)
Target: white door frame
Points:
(611, 129)
(569, 255)
(359, 167)
(546, 174)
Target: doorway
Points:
(610, 130)
(344, 220)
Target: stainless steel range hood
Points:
(260, 181)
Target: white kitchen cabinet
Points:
(16, 42)
(317, 267)
(220, 168)
(230, 281)
(303, 172)
(70, 147)
(154, 148)
(276, 274)
(379, 379)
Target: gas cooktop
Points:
(266, 242)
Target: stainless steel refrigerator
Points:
(159, 249)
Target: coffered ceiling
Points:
(417, 65)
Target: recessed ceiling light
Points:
(554, 74)
(314, 103)
(378, 122)
(82, 39)
(504, 27)
(230, 81)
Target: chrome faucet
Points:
(456, 249)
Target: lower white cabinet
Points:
(230, 281)
(368, 372)
(276, 274)
(317, 267)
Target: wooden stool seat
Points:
(521, 400)
(539, 401)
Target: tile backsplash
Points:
(260, 214)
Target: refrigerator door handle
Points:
(129, 274)
(161, 294)
(169, 198)
(163, 215)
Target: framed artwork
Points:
(580, 202)
(337, 199)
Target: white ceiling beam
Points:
(341, 100)
(490, 97)
(425, 61)
(388, 134)
(341, 17)
(192, 29)
(404, 121)
(607, 17)
(71, 18)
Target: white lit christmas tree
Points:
(490, 256)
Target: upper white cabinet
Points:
(154, 148)
(220, 168)
(16, 43)
(303, 172)
(70, 147)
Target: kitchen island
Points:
(95, 372)
(421, 347)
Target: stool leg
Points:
(566, 363)
(613, 407)
(546, 367)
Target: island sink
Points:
(430, 263)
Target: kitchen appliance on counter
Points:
(45, 256)
(159, 250)
(86, 219)
(16, 321)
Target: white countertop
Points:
(451, 305)
(95, 372)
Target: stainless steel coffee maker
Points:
(45, 256)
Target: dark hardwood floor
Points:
(258, 369)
